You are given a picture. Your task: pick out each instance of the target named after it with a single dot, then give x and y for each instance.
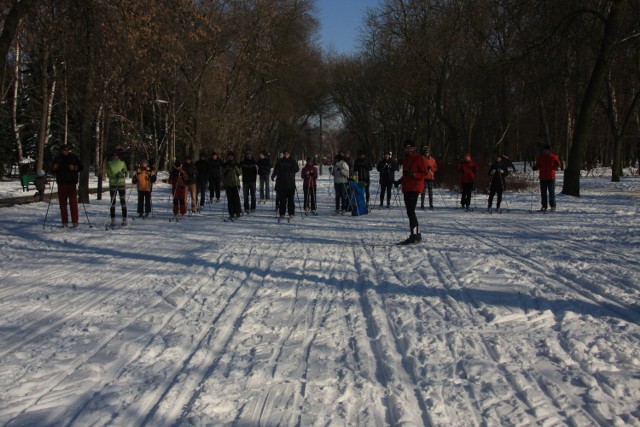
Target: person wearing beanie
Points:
(66, 167)
(215, 173)
(468, 170)
(116, 171)
(387, 168)
(231, 172)
(498, 171)
(414, 172)
(144, 178)
(547, 165)
(309, 185)
(432, 167)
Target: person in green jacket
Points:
(117, 172)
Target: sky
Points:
(340, 21)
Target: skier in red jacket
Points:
(547, 165)
(414, 172)
(468, 170)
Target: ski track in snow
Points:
(513, 319)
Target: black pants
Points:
(411, 201)
(310, 198)
(233, 201)
(385, 188)
(428, 185)
(286, 201)
(123, 201)
(466, 195)
(214, 187)
(249, 189)
(144, 202)
(202, 189)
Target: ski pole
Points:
(48, 206)
(85, 213)
(299, 204)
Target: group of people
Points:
(418, 174)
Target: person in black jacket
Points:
(215, 171)
(264, 170)
(362, 167)
(202, 166)
(284, 173)
(66, 167)
(387, 168)
(498, 171)
(249, 177)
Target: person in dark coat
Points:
(215, 173)
(309, 176)
(249, 178)
(231, 172)
(387, 167)
(498, 170)
(202, 166)
(362, 167)
(192, 171)
(264, 170)
(66, 166)
(284, 173)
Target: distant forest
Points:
(160, 79)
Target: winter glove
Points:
(429, 169)
(73, 167)
(408, 173)
(396, 183)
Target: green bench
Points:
(27, 180)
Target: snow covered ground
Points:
(512, 319)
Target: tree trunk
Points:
(16, 94)
(590, 102)
(48, 95)
(10, 28)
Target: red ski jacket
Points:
(414, 172)
(468, 172)
(432, 167)
(547, 165)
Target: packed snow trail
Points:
(512, 319)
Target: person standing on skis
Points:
(192, 183)
(468, 170)
(178, 180)
(414, 172)
(547, 165)
(340, 172)
(231, 172)
(432, 167)
(144, 178)
(202, 167)
(66, 167)
(498, 170)
(249, 178)
(309, 185)
(116, 171)
(284, 173)
(215, 172)
(387, 168)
